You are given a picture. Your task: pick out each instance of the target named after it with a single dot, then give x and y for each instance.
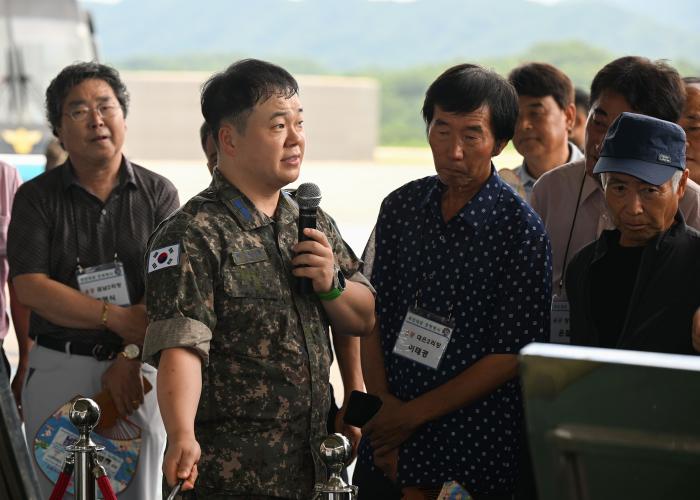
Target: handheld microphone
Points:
(308, 198)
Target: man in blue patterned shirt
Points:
(463, 277)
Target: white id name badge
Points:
(560, 326)
(106, 282)
(423, 337)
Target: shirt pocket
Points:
(252, 312)
(254, 281)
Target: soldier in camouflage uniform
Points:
(244, 357)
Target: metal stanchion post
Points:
(84, 415)
(336, 450)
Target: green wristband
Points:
(332, 294)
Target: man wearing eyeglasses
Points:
(75, 245)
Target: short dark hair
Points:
(204, 133)
(232, 94)
(691, 80)
(582, 99)
(652, 88)
(73, 75)
(465, 88)
(540, 80)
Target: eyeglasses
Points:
(81, 113)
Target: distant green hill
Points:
(402, 91)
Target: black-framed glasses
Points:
(81, 113)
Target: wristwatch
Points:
(131, 351)
(337, 287)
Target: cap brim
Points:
(649, 172)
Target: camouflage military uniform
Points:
(229, 294)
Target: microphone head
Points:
(308, 195)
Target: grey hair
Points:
(675, 180)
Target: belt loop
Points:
(67, 348)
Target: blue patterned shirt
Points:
(489, 268)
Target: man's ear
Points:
(498, 148)
(570, 117)
(59, 135)
(227, 140)
(682, 184)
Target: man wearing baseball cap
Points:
(637, 286)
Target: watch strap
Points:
(332, 294)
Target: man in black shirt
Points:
(76, 246)
(637, 286)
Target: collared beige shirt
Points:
(554, 197)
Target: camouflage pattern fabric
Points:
(230, 296)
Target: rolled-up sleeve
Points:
(179, 290)
(176, 332)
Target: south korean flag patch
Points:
(164, 257)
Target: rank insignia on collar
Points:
(240, 207)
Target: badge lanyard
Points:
(571, 231)
(120, 210)
(107, 281)
(559, 328)
(424, 335)
(424, 277)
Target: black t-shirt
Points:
(55, 221)
(612, 281)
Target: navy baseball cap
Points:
(647, 148)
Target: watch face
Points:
(131, 351)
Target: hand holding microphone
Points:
(314, 262)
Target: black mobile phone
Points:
(361, 408)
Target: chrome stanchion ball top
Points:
(84, 414)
